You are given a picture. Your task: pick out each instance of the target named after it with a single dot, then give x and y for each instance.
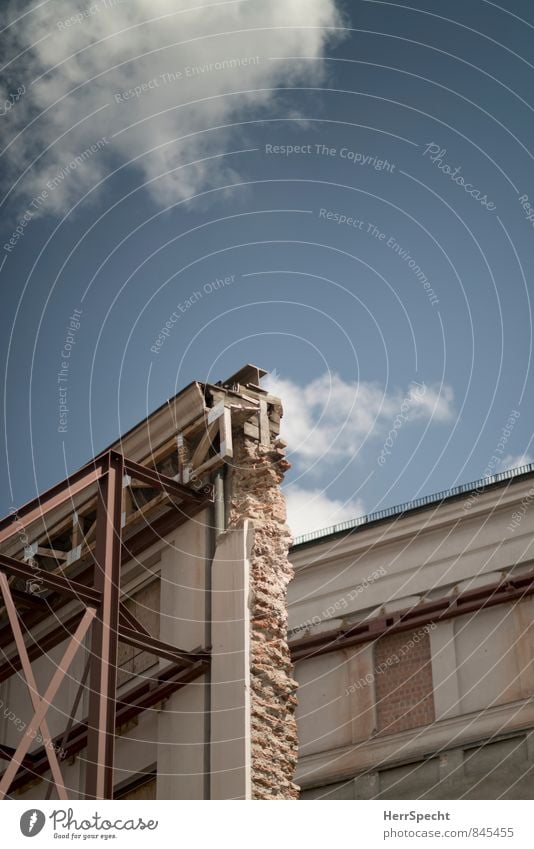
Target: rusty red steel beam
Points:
(127, 619)
(150, 644)
(75, 705)
(141, 697)
(168, 682)
(35, 649)
(52, 498)
(37, 722)
(104, 643)
(7, 752)
(49, 581)
(108, 472)
(131, 548)
(448, 607)
(34, 617)
(159, 481)
(131, 635)
(41, 706)
(153, 531)
(66, 489)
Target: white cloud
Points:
(330, 418)
(312, 509)
(199, 66)
(512, 461)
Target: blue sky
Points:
(337, 192)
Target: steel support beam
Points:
(158, 528)
(37, 648)
(26, 741)
(40, 705)
(155, 479)
(134, 546)
(52, 498)
(74, 709)
(97, 587)
(127, 618)
(49, 581)
(471, 601)
(141, 697)
(145, 642)
(131, 631)
(103, 674)
(131, 548)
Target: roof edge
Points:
(416, 504)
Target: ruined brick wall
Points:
(404, 689)
(255, 476)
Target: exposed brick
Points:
(404, 690)
(257, 473)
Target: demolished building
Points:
(146, 602)
(413, 639)
(144, 623)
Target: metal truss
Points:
(96, 554)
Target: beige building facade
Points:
(414, 647)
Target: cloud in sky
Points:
(513, 461)
(329, 418)
(312, 509)
(192, 67)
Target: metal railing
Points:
(399, 509)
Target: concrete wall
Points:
(230, 754)
(182, 732)
(498, 769)
(435, 719)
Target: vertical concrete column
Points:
(523, 613)
(230, 666)
(258, 468)
(361, 692)
(444, 670)
(181, 731)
